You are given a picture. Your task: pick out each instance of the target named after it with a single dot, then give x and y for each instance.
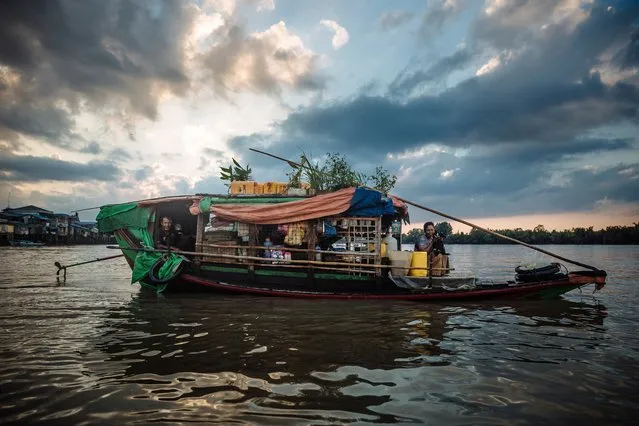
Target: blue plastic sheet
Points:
(368, 203)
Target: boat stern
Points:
(597, 277)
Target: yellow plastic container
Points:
(242, 187)
(269, 187)
(275, 187)
(282, 187)
(382, 250)
(418, 260)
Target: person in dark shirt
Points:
(431, 241)
(433, 244)
(166, 236)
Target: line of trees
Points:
(538, 235)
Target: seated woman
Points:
(433, 244)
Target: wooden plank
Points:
(291, 249)
(199, 236)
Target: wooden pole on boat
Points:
(505, 237)
(284, 263)
(514, 240)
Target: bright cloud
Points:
(340, 35)
(447, 174)
(266, 5)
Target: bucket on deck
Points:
(418, 260)
(401, 262)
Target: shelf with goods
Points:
(362, 239)
(242, 243)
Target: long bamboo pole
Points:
(284, 262)
(291, 249)
(64, 267)
(505, 237)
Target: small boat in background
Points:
(25, 243)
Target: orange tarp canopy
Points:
(316, 207)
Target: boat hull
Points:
(335, 286)
(542, 290)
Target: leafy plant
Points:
(341, 174)
(336, 173)
(382, 180)
(235, 172)
(314, 174)
(295, 177)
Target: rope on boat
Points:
(64, 267)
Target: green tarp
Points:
(121, 216)
(135, 220)
(205, 203)
(144, 261)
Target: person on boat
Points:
(431, 241)
(166, 236)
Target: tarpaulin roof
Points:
(121, 216)
(348, 201)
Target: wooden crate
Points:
(223, 239)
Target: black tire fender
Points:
(153, 273)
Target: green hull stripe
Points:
(267, 273)
(281, 274)
(341, 277)
(224, 269)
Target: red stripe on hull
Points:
(523, 290)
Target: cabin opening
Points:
(184, 223)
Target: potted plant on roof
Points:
(295, 181)
(235, 172)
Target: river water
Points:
(98, 350)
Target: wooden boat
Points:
(223, 247)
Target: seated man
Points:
(432, 243)
(166, 236)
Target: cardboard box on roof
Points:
(274, 187)
(243, 187)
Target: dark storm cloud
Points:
(628, 57)
(119, 155)
(394, 19)
(91, 148)
(143, 173)
(505, 168)
(32, 169)
(547, 93)
(587, 186)
(42, 121)
(437, 14)
(58, 52)
(480, 187)
(411, 79)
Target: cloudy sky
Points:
(507, 112)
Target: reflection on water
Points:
(99, 350)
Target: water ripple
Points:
(98, 350)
